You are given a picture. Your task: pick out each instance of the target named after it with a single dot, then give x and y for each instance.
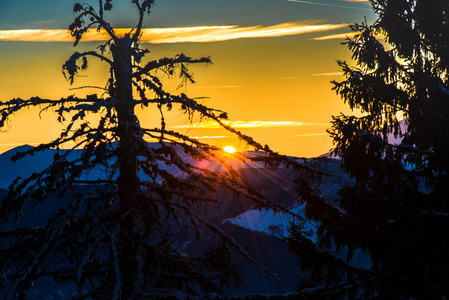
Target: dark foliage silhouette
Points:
(397, 210)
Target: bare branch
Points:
(88, 87)
(136, 35)
(12, 106)
(163, 62)
(77, 27)
(217, 231)
(71, 67)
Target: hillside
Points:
(260, 232)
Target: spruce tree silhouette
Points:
(397, 209)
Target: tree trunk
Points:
(128, 182)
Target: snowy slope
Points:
(266, 249)
(277, 224)
(26, 166)
(23, 168)
(39, 161)
(259, 231)
(272, 223)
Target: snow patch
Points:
(274, 223)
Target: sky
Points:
(273, 61)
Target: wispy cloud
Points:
(225, 33)
(250, 124)
(313, 75)
(292, 77)
(343, 36)
(36, 35)
(331, 5)
(310, 134)
(175, 34)
(219, 87)
(329, 74)
(210, 137)
(336, 36)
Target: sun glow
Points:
(229, 149)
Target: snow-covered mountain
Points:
(275, 184)
(260, 232)
(40, 160)
(28, 165)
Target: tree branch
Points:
(103, 23)
(163, 62)
(140, 22)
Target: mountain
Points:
(260, 232)
(39, 161)
(28, 165)
(22, 168)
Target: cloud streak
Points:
(210, 137)
(219, 87)
(328, 74)
(332, 5)
(196, 34)
(313, 75)
(250, 124)
(344, 36)
(310, 134)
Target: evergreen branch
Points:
(10, 107)
(88, 87)
(95, 54)
(117, 276)
(217, 231)
(177, 135)
(138, 32)
(95, 182)
(168, 62)
(181, 192)
(77, 27)
(61, 141)
(31, 271)
(50, 180)
(71, 67)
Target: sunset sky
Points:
(273, 61)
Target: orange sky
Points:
(270, 72)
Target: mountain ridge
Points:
(262, 239)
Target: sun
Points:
(229, 149)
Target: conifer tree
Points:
(396, 211)
(113, 239)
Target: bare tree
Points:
(112, 242)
